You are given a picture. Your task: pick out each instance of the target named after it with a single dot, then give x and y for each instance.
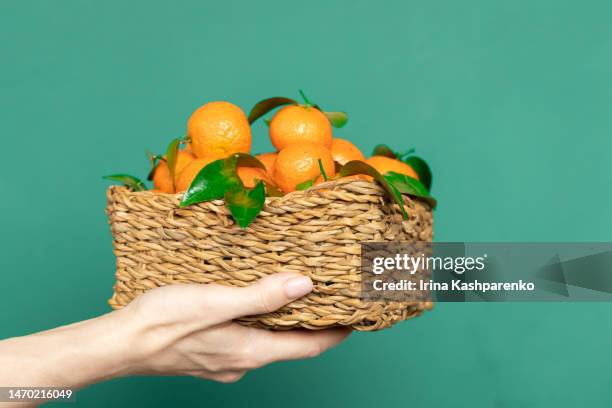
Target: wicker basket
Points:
(316, 232)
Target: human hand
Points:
(173, 330)
(188, 329)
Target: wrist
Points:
(119, 346)
(71, 356)
(101, 348)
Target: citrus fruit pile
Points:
(214, 160)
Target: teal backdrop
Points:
(509, 101)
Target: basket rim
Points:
(327, 185)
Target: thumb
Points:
(266, 295)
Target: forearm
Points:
(70, 356)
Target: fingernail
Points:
(297, 287)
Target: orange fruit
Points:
(299, 162)
(190, 171)
(183, 158)
(156, 191)
(298, 123)
(162, 180)
(268, 160)
(344, 151)
(250, 176)
(161, 177)
(219, 129)
(385, 164)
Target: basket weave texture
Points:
(316, 232)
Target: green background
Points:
(509, 101)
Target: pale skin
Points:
(185, 330)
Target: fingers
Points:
(264, 296)
(226, 377)
(273, 292)
(211, 304)
(268, 347)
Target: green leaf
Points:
(266, 105)
(337, 119)
(337, 166)
(410, 186)
(171, 154)
(355, 167)
(216, 178)
(407, 184)
(306, 101)
(246, 160)
(213, 181)
(403, 155)
(244, 203)
(323, 171)
(384, 150)
(422, 169)
(153, 159)
(132, 182)
(305, 185)
(418, 164)
(273, 191)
